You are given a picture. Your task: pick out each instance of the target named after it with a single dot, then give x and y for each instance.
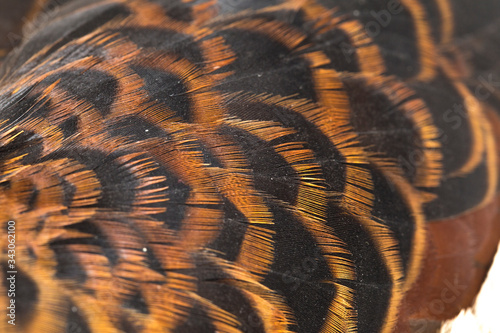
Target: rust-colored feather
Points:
(246, 166)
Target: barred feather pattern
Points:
(233, 166)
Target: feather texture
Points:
(247, 166)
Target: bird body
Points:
(249, 166)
